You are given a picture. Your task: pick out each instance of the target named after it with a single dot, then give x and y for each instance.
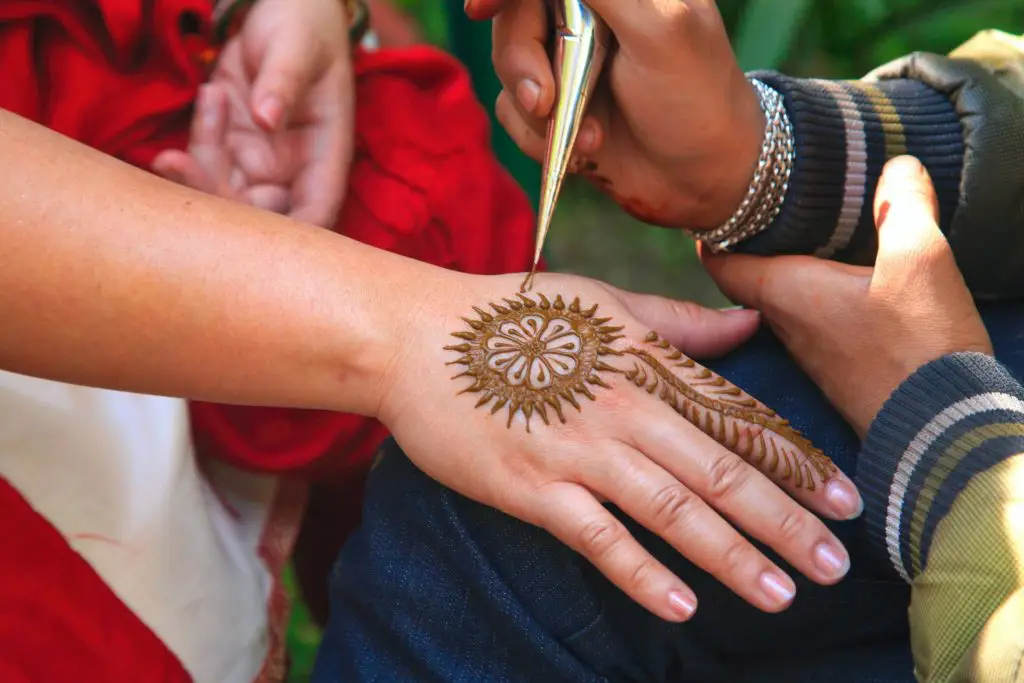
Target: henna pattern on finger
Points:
(728, 414)
(532, 356)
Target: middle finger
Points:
(657, 500)
(744, 495)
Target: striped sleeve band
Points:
(845, 132)
(953, 419)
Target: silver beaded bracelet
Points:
(767, 190)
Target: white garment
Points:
(116, 474)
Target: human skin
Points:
(273, 127)
(161, 289)
(673, 135)
(859, 331)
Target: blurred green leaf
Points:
(766, 31)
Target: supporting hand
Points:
(859, 332)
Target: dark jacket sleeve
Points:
(942, 475)
(961, 114)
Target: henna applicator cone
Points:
(581, 44)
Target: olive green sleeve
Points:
(967, 606)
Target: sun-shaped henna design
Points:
(532, 354)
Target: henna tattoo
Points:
(727, 414)
(533, 354)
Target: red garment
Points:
(120, 76)
(58, 620)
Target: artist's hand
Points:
(857, 331)
(536, 359)
(273, 127)
(676, 129)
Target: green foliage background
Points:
(822, 38)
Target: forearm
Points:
(114, 278)
(943, 480)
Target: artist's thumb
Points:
(289, 66)
(907, 219)
(695, 330)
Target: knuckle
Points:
(600, 537)
(736, 557)
(727, 478)
(688, 311)
(677, 17)
(675, 505)
(693, 17)
(643, 574)
(792, 525)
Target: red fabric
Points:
(58, 620)
(120, 76)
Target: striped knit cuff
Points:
(953, 418)
(844, 134)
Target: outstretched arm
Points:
(116, 278)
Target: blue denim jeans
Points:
(435, 587)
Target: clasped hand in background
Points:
(274, 125)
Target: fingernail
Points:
(683, 604)
(778, 588)
(833, 561)
(271, 110)
(844, 500)
(528, 93)
(907, 166)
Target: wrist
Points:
(768, 178)
(405, 324)
(229, 15)
(726, 177)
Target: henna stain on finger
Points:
(532, 355)
(728, 414)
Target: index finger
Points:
(572, 515)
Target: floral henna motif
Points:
(532, 354)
